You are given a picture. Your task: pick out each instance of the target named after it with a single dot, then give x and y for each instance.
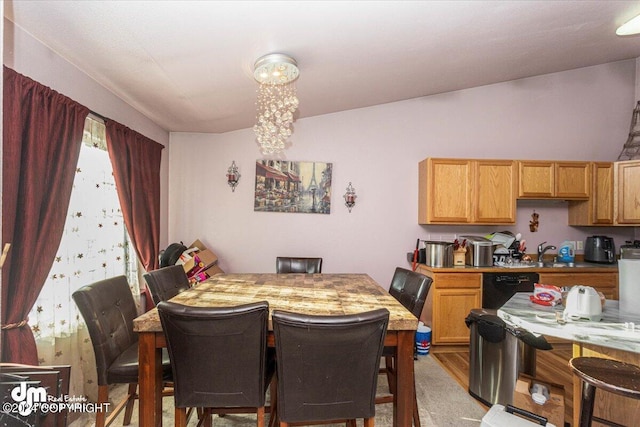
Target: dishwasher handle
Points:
(515, 279)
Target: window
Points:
(95, 245)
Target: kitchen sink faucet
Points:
(542, 249)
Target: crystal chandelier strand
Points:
(277, 101)
(275, 108)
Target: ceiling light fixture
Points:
(630, 27)
(277, 101)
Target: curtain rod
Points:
(98, 116)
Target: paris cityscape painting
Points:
(287, 186)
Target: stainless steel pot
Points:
(438, 254)
(479, 251)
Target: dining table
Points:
(314, 294)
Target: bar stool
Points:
(609, 375)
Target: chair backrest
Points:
(328, 365)
(298, 265)
(410, 289)
(108, 310)
(167, 282)
(218, 354)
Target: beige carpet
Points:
(441, 400)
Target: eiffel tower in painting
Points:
(313, 187)
(631, 149)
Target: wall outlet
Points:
(579, 245)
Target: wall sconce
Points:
(350, 197)
(233, 176)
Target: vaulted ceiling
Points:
(188, 65)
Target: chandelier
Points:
(277, 101)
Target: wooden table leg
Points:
(403, 405)
(149, 381)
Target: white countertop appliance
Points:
(583, 302)
(629, 280)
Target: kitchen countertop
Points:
(616, 331)
(580, 267)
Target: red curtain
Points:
(42, 135)
(136, 168)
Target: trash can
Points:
(498, 353)
(423, 339)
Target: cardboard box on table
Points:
(552, 409)
(200, 263)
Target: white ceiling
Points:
(188, 65)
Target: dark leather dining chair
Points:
(327, 366)
(219, 358)
(108, 310)
(167, 282)
(411, 290)
(298, 265)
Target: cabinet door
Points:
(450, 308)
(628, 192)
(572, 180)
(495, 194)
(447, 198)
(598, 210)
(602, 193)
(536, 179)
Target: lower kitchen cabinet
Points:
(453, 295)
(450, 308)
(607, 283)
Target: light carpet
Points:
(441, 401)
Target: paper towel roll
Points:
(629, 288)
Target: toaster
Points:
(631, 250)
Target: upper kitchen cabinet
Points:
(495, 192)
(615, 196)
(598, 210)
(464, 191)
(553, 180)
(627, 191)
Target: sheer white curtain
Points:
(95, 246)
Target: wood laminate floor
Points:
(551, 366)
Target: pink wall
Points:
(581, 114)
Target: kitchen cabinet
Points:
(607, 283)
(452, 297)
(615, 196)
(553, 180)
(466, 191)
(599, 209)
(495, 192)
(627, 191)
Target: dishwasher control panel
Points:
(498, 288)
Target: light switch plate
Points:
(580, 245)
